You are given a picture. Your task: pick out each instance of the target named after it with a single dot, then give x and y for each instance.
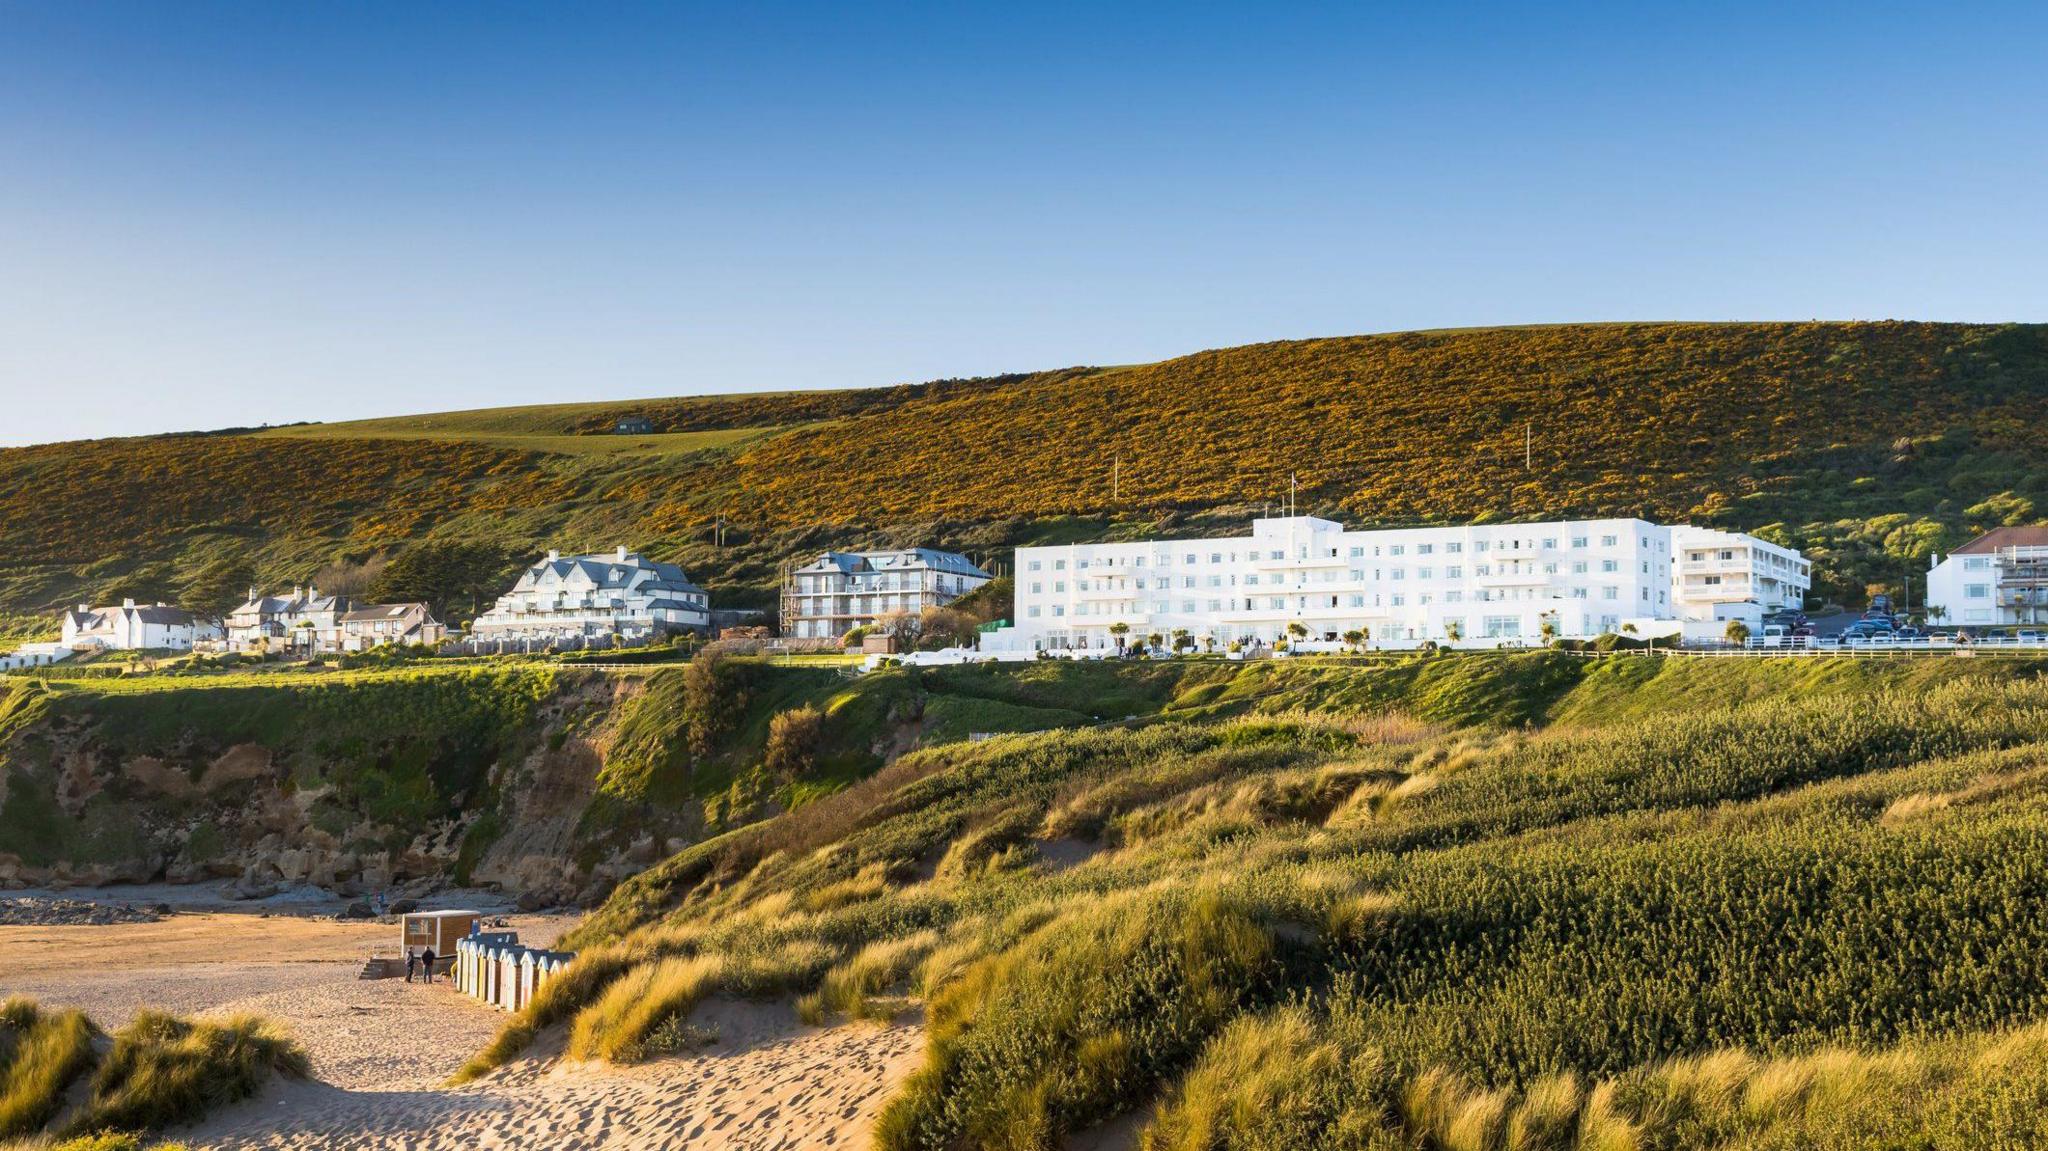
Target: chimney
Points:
(252, 594)
(128, 601)
(622, 553)
(84, 608)
(553, 555)
(298, 592)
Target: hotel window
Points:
(1279, 602)
(1081, 565)
(1215, 605)
(1058, 610)
(1059, 585)
(1189, 558)
(1608, 541)
(1610, 566)
(1425, 573)
(1397, 549)
(1215, 581)
(1059, 565)
(1550, 569)
(1398, 573)
(1610, 593)
(1454, 548)
(1549, 545)
(1423, 599)
(1578, 541)
(1977, 591)
(1397, 600)
(1139, 562)
(1251, 579)
(1454, 597)
(1645, 594)
(1187, 607)
(1454, 571)
(1578, 567)
(1501, 626)
(1037, 587)
(1215, 557)
(1481, 545)
(1033, 611)
(1578, 593)
(1277, 554)
(1357, 552)
(1483, 569)
(1424, 549)
(1977, 564)
(1358, 601)
(1034, 565)
(1187, 581)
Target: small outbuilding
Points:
(439, 930)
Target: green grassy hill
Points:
(1866, 444)
(1633, 904)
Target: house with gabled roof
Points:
(378, 624)
(1999, 578)
(304, 620)
(586, 598)
(134, 627)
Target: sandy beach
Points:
(382, 1049)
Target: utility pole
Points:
(1529, 447)
(1116, 480)
(1293, 505)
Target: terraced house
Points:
(590, 598)
(840, 591)
(1482, 584)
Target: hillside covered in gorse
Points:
(1867, 444)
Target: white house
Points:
(1728, 575)
(2001, 577)
(378, 624)
(593, 597)
(840, 591)
(1487, 584)
(135, 627)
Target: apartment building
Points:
(840, 591)
(1480, 584)
(594, 597)
(1999, 578)
(1728, 575)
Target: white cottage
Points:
(135, 627)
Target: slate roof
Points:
(1997, 538)
(899, 559)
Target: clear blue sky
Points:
(216, 214)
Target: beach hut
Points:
(419, 931)
(529, 976)
(508, 979)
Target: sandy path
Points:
(382, 1048)
(768, 1083)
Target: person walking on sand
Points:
(427, 964)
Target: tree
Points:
(1298, 630)
(902, 628)
(939, 627)
(457, 579)
(1736, 632)
(1355, 638)
(1549, 626)
(1182, 640)
(714, 699)
(794, 737)
(1454, 630)
(1119, 629)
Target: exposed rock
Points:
(45, 912)
(240, 762)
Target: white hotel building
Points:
(1493, 583)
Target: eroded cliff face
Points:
(363, 786)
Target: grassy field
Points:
(483, 431)
(1627, 906)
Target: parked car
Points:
(2031, 635)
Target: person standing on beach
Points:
(412, 960)
(427, 964)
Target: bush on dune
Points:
(41, 1053)
(164, 1070)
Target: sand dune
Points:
(768, 1083)
(382, 1049)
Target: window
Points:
(1578, 541)
(1187, 581)
(1610, 593)
(1187, 607)
(1398, 573)
(1454, 571)
(1279, 602)
(1578, 567)
(1037, 588)
(1355, 552)
(1977, 564)
(1277, 554)
(1578, 593)
(1423, 599)
(1480, 545)
(1425, 573)
(1215, 581)
(1081, 565)
(1034, 565)
(1424, 549)
(1033, 611)
(1610, 566)
(1358, 601)
(1500, 626)
(1215, 605)
(1977, 591)
(1549, 545)
(1454, 597)
(1215, 557)
(1397, 549)
(1251, 579)
(1059, 585)
(1609, 541)
(1059, 565)
(1397, 600)
(1058, 610)
(1454, 548)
